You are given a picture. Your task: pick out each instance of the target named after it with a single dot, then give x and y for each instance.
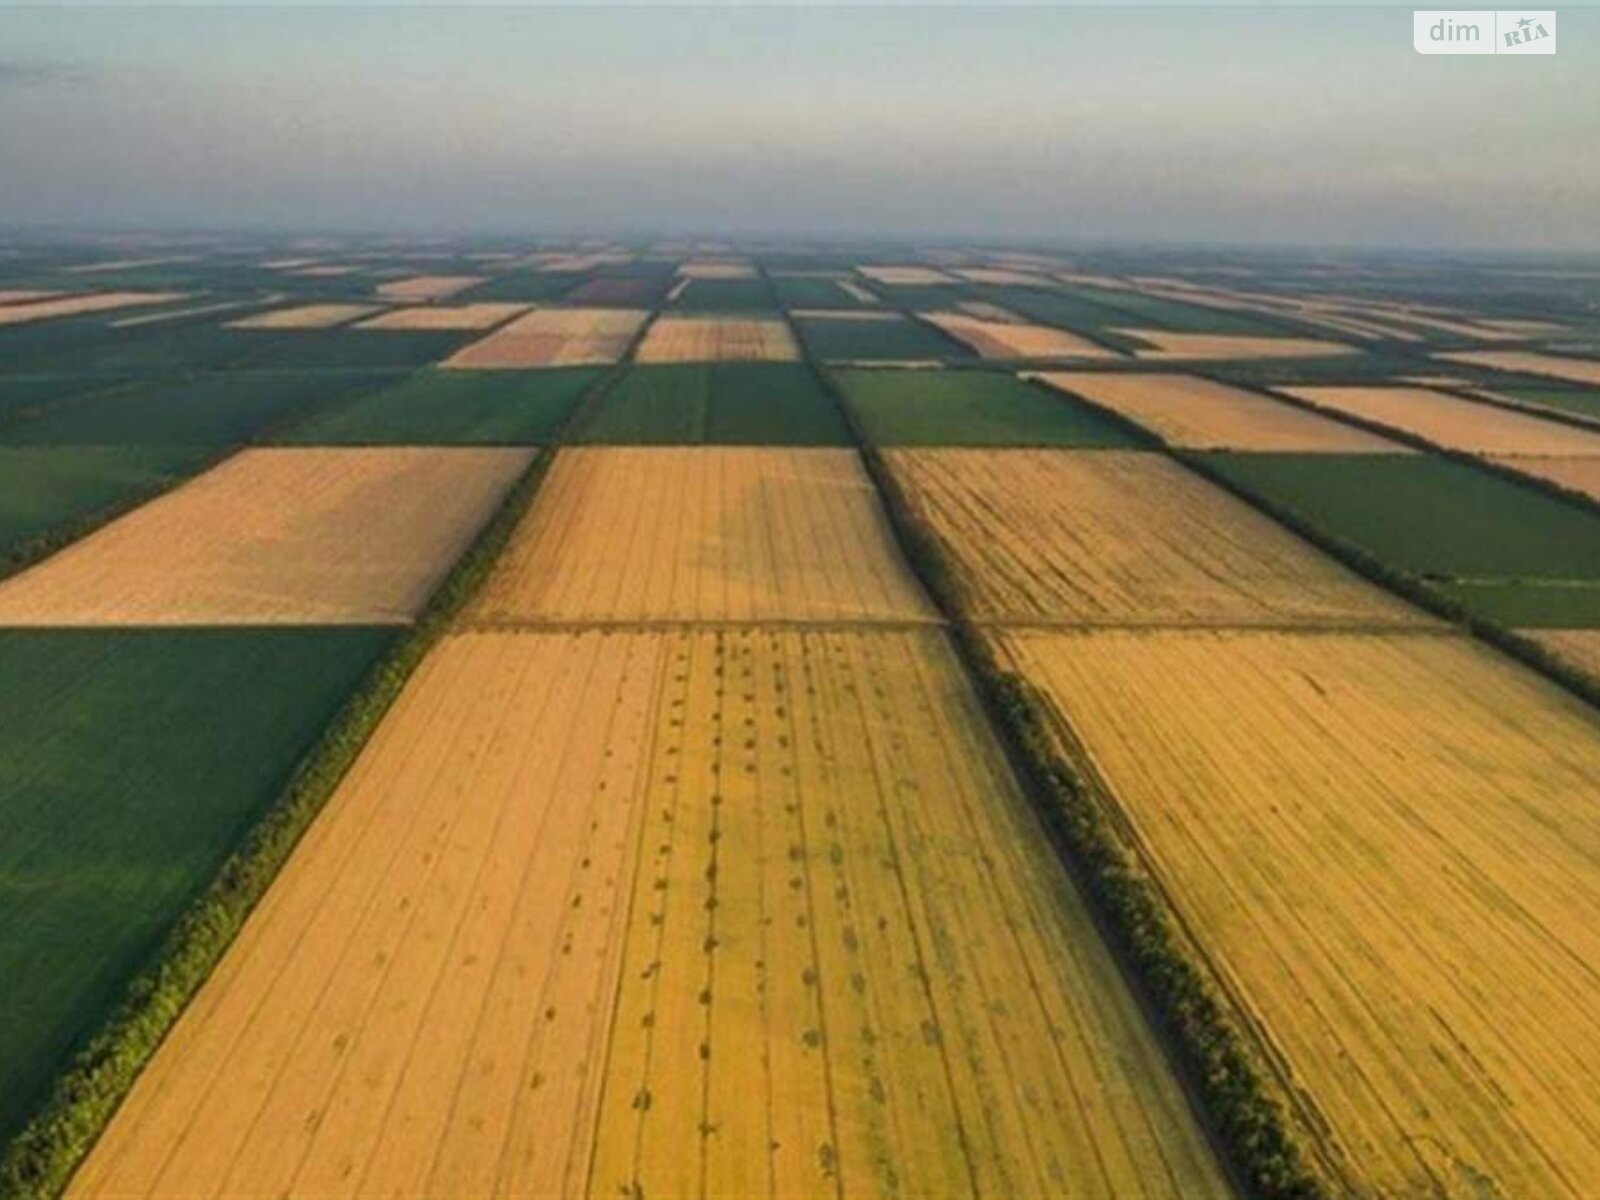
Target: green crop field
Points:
(47, 488)
(1531, 604)
(726, 295)
(885, 339)
(1442, 520)
(212, 410)
(450, 408)
(971, 408)
(808, 291)
(22, 396)
(726, 403)
(1063, 309)
(1155, 312)
(319, 348)
(521, 285)
(130, 764)
(88, 346)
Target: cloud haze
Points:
(1234, 124)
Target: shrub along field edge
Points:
(1246, 1123)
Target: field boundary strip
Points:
(39, 1162)
(1208, 1051)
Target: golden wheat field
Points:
(305, 316)
(1575, 474)
(25, 311)
(427, 287)
(991, 338)
(276, 537)
(1085, 537)
(1199, 414)
(484, 315)
(1167, 344)
(1453, 423)
(729, 913)
(905, 276)
(1580, 647)
(684, 533)
(717, 339)
(1389, 850)
(1002, 277)
(1528, 362)
(554, 337)
(18, 295)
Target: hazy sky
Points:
(1151, 124)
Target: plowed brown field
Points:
(1389, 850)
(1085, 537)
(743, 913)
(1453, 423)
(1198, 414)
(626, 534)
(554, 337)
(276, 537)
(717, 339)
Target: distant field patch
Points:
(445, 316)
(1386, 845)
(718, 403)
(220, 409)
(723, 295)
(1004, 277)
(808, 291)
(905, 276)
(1528, 362)
(445, 408)
(306, 316)
(525, 287)
(618, 291)
(554, 337)
(28, 311)
(673, 339)
(1198, 414)
(1453, 423)
(867, 336)
(1123, 538)
(1578, 402)
(970, 408)
(427, 287)
(1177, 316)
(702, 533)
(1427, 515)
(131, 763)
(1164, 344)
(274, 537)
(1015, 338)
(714, 269)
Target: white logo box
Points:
(1483, 31)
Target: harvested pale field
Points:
(742, 913)
(630, 534)
(1522, 327)
(1198, 414)
(1112, 537)
(709, 269)
(428, 287)
(306, 316)
(717, 339)
(554, 337)
(857, 291)
(179, 314)
(1003, 277)
(18, 295)
(445, 316)
(328, 271)
(1168, 343)
(26, 311)
(1580, 647)
(843, 314)
(1389, 850)
(988, 311)
(1527, 362)
(1452, 422)
(276, 537)
(905, 276)
(1576, 474)
(1013, 339)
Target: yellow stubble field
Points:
(627, 534)
(310, 536)
(717, 339)
(1580, 647)
(1389, 850)
(484, 315)
(1199, 414)
(1085, 537)
(1449, 421)
(427, 287)
(990, 338)
(1528, 362)
(306, 316)
(24, 311)
(1576, 474)
(554, 337)
(1168, 344)
(748, 912)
